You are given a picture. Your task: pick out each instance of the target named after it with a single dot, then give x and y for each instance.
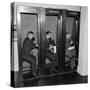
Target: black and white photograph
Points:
(48, 44)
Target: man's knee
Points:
(33, 57)
(33, 60)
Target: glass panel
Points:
(70, 59)
(51, 55)
(29, 45)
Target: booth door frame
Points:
(76, 25)
(41, 19)
(60, 34)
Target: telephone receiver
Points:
(33, 39)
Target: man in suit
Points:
(50, 43)
(28, 46)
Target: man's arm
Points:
(25, 42)
(52, 42)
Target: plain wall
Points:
(53, 6)
(83, 43)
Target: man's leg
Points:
(32, 60)
(52, 57)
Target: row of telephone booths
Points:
(56, 39)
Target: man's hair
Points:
(68, 33)
(48, 32)
(30, 32)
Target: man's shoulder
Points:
(26, 39)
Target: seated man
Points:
(69, 44)
(28, 46)
(50, 50)
(70, 50)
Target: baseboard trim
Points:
(15, 78)
(80, 74)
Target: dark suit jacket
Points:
(28, 45)
(49, 42)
